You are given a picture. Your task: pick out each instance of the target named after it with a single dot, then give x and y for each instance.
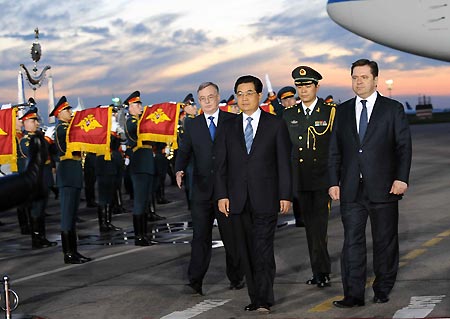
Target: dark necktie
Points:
(363, 120)
(308, 111)
(248, 135)
(212, 127)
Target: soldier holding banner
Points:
(69, 178)
(142, 169)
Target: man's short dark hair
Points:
(206, 84)
(249, 79)
(372, 64)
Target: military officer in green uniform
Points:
(69, 178)
(310, 123)
(142, 169)
(37, 208)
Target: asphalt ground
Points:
(125, 281)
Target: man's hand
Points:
(284, 206)
(224, 206)
(179, 177)
(398, 187)
(334, 192)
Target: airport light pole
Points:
(389, 84)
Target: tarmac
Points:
(126, 281)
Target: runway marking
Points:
(432, 242)
(414, 253)
(419, 307)
(45, 273)
(196, 310)
(444, 234)
(326, 305)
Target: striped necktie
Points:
(248, 135)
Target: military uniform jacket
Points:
(310, 141)
(141, 159)
(69, 172)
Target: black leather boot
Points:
(108, 214)
(101, 214)
(139, 224)
(22, 216)
(69, 254)
(38, 239)
(74, 246)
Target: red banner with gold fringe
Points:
(8, 146)
(89, 131)
(159, 123)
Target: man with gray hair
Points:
(198, 143)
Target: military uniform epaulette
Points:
(330, 104)
(290, 107)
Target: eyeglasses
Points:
(249, 93)
(207, 98)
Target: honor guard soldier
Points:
(108, 176)
(23, 211)
(69, 178)
(37, 207)
(310, 124)
(142, 169)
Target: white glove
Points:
(127, 161)
(124, 148)
(50, 132)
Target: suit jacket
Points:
(197, 144)
(383, 156)
(264, 176)
(310, 160)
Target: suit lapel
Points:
(240, 131)
(259, 136)
(352, 120)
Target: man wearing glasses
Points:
(198, 143)
(253, 184)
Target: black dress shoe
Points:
(237, 285)
(195, 289)
(380, 299)
(323, 280)
(312, 280)
(348, 302)
(299, 224)
(251, 307)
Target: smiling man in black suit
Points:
(253, 184)
(369, 164)
(198, 143)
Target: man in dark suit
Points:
(310, 124)
(200, 134)
(369, 164)
(253, 184)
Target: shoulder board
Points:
(330, 104)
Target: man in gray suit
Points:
(369, 164)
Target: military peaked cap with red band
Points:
(30, 114)
(287, 91)
(60, 106)
(134, 97)
(189, 99)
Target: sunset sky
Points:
(100, 49)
